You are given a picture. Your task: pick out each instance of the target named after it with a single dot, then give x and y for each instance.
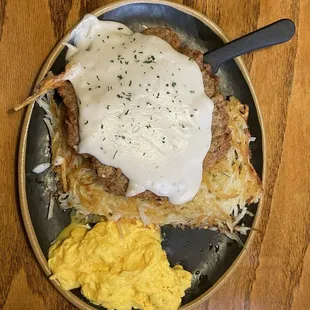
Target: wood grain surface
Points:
(275, 272)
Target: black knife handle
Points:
(276, 33)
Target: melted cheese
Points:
(142, 108)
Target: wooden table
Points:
(275, 272)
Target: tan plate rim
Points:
(23, 143)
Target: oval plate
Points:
(209, 255)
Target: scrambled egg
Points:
(118, 265)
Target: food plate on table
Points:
(206, 245)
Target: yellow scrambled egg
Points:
(119, 266)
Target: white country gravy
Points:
(142, 108)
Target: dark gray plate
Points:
(207, 254)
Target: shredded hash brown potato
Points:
(226, 188)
